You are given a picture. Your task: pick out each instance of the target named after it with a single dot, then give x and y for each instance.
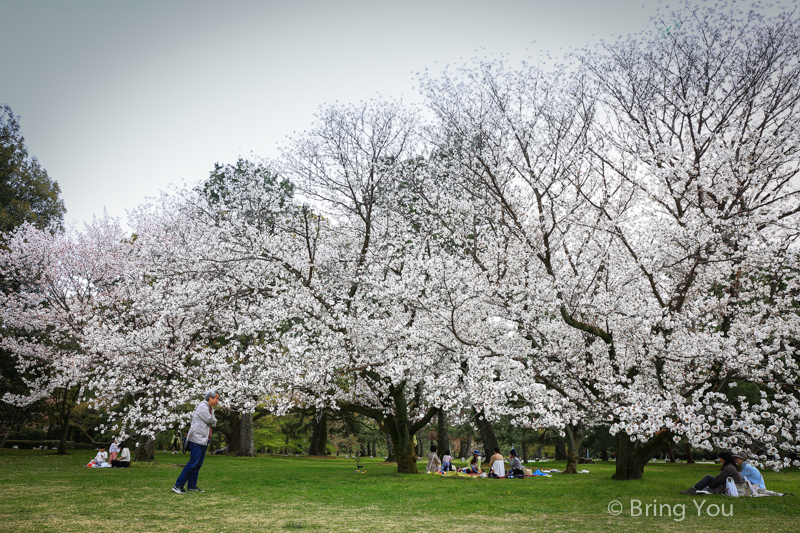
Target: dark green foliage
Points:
(27, 194)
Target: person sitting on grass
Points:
(433, 461)
(447, 461)
(498, 469)
(114, 450)
(124, 460)
(716, 485)
(516, 465)
(101, 457)
(474, 466)
(749, 472)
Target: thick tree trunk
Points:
(689, 458)
(573, 442)
(524, 452)
(233, 435)
(319, 435)
(145, 450)
(247, 447)
(604, 454)
(488, 438)
(633, 456)
(442, 440)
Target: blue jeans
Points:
(192, 469)
(704, 483)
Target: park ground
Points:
(40, 492)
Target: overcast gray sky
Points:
(120, 98)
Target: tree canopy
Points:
(27, 194)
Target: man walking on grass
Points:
(197, 441)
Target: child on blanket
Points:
(474, 464)
(446, 460)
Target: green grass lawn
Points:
(40, 492)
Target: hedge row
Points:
(51, 444)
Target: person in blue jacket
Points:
(749, 472)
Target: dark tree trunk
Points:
(488, 438)
(232, 435)
(524, 452)
(561, 450)
(66, 411)
(633, 456)
(604, 454)
(442, 440)
(362, 450)
(466, 446)
(319, 434)
(670, 454)
(689, 458)
(145, 451)
(573, 443)
(247, 447)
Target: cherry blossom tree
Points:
(647, 207)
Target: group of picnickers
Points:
(496, 463)
(120, 456)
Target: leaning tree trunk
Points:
(247, 447)
(573, 441)
(633, 456)
(442, 440)
(319, 435)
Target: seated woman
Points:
(124, 460)
(749, 472)
(516, 469)
(716, 485)
(497, 465)
(433, 461)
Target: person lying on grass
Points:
(749, 472)
(433, 461)
(716, 485)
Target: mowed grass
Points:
(49, 493)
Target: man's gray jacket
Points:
(202, 420)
